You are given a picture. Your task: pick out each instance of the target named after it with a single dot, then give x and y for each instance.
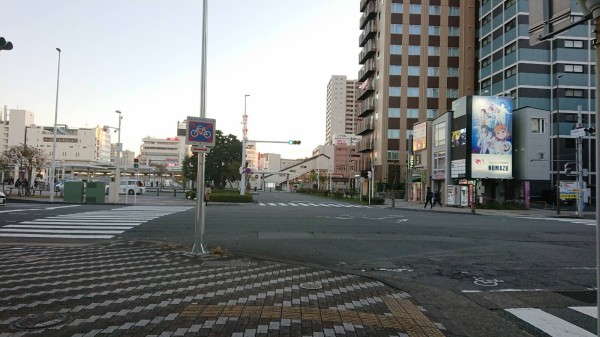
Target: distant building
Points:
(12, 127)
(168, 151)
(340, 116)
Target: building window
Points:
(396, 28)
(509, 3)
(512, 71)
(433, 51)
(415, 9)
(412, 92)
(510, 25)
(537, 125)
(439, 134)
(413, 71)
(486, 19)
(574, 44)
(409, 134)
(412, 113)
(394, 112)
(414, 50)
(439, 163)
(396, 8)
(453, 31)
(453, 11)
(486, 40)
(393, 134)
(452, 51)
(395, 70)
(574, 93)
(432, 113)
(396, 49)
(433, 71)
(433, 92)
(393, 155)
(486, 62)
(434, 30)
(414, 29)
(395, 91)
(486, 83)
(511, 48)
(452, 72)
(452, 93)
(435, 10)
(573, 68)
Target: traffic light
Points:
(294, 142)
(136, 163)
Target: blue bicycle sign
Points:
(200, 131)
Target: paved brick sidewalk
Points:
(150, 289)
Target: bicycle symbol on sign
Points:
(200, 130)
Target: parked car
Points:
(60, 186)
(2, 199)
(129, 186)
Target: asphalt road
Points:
(460, 264)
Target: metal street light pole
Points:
(53, 167)
(244, 144)
(199, 220)
(117, 184)
(558, 144)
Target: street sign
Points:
(200, 149)
(200, 131)
(578, 132)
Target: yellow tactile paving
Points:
(406, 316)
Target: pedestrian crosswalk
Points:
(103, 224)
(559, 322)
(586, 222)
(311, 204)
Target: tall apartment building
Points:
(556, 75)
(12, 127)
(340, 115)
(417, 57)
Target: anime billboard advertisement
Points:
(491, 141)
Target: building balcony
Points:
(365, 107)
(365, 144)
(368, 33)
(365, 126)
(366, 71)
(369, 13)
(363, 4)
(367, 52)
(365, 90)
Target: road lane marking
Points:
(550, 324)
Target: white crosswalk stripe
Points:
(103, 224)
(587, 222)
(553, 325)
(309, 204)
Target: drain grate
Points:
(311, 285)
(586, 296)
(225, 263)
(34, 322)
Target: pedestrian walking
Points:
(207, 192)
(429, 198)
(437, 198)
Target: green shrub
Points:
(190, 194)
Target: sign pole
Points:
(199, 225)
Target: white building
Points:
(12, 127)
(73, 146)
(168, 151)
(341, 107)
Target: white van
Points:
(129, 186)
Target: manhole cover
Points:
(42, 321)
(311, 285)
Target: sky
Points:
(143, 57)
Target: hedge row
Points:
(223, 196)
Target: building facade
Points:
(13, 123)
(340, 114)
(416, 57)
(556, 76)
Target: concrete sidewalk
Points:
(566, 212)
(125, 288)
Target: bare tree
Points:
(159, 170)
(4, 167)
(28, 157)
